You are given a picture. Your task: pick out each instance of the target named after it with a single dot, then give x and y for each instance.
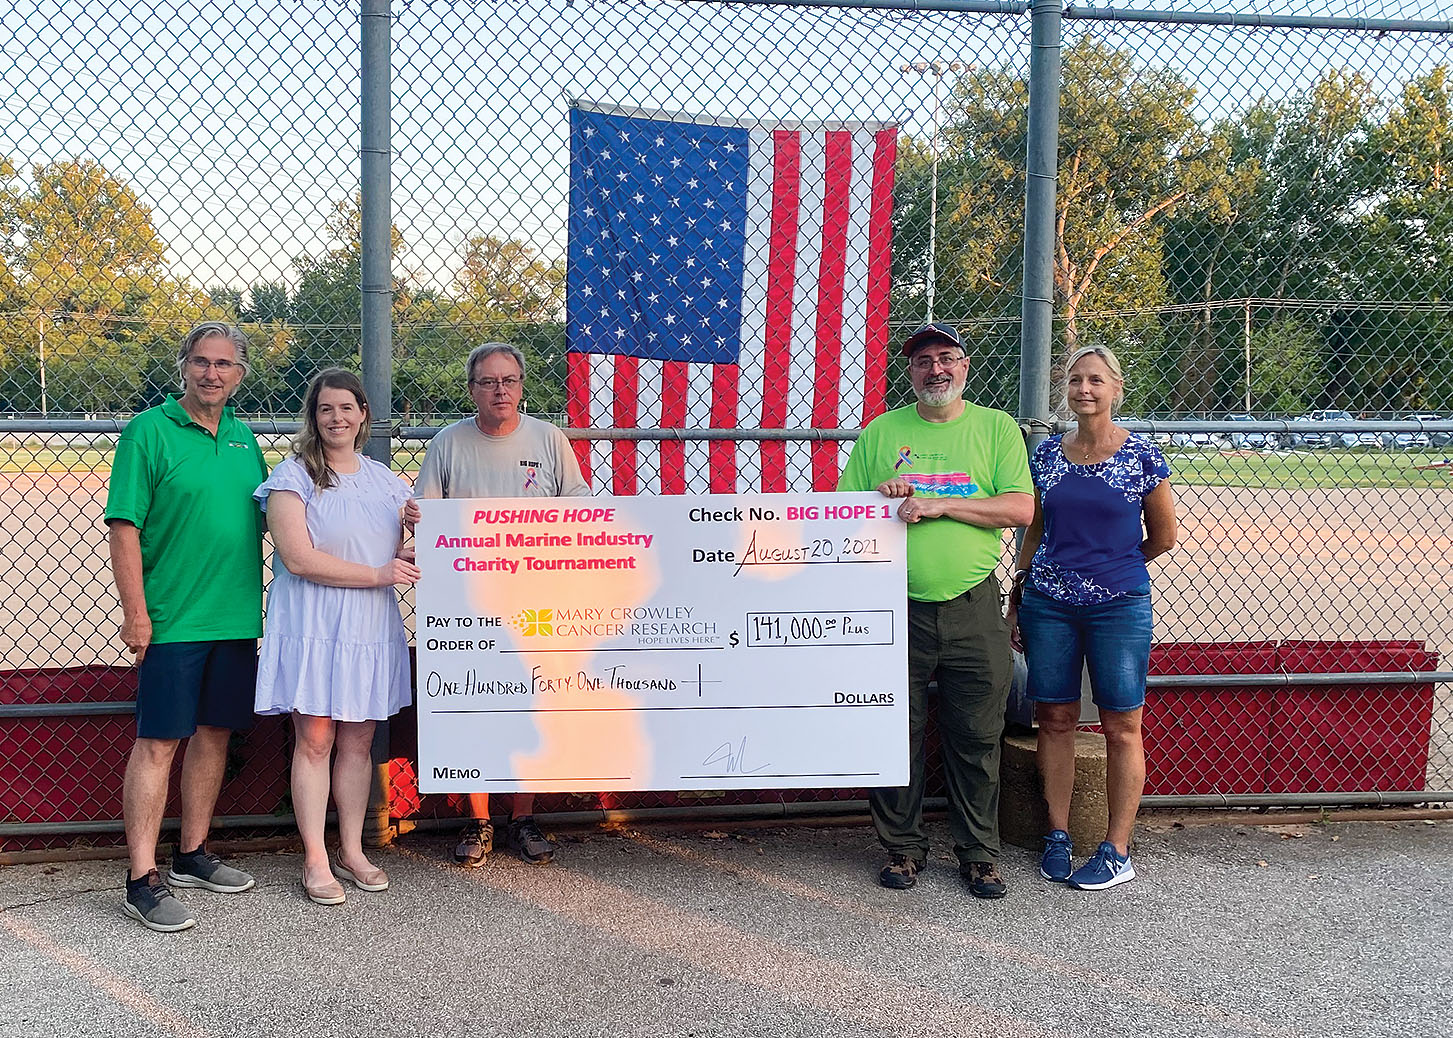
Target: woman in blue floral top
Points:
(1081, 597)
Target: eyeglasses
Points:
(201, 364)
(495, 383)
(923, 362)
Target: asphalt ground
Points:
(1334, 929)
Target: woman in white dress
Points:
(334, 654)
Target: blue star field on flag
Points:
(657, 214)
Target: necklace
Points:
(1080, 454)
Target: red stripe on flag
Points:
(577, 405)
(625, 390)
(827, 361)
(674, 382)
(723, 453)
(781, 274)
(880, 264)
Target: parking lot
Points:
(1321, 930)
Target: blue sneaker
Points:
(1055, 864)
(1106, 869)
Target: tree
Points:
(1284, 366)
(982, 304)
(502, 280)
(1131, 153)
(501, 291)
(1308, 235)
(225, 298)
(1292, 226)
(85, 244)
(1412, 153)
(267, 303)
(88, 271)
(326, 311)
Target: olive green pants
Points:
(965, 642)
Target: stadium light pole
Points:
(44, 404)
(937, 69)
(1246, 342)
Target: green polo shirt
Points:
(978, 454)
(189, 493)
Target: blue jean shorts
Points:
(1112, 637)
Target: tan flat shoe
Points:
(371, 881)
(331, 893)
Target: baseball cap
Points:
(929, 334)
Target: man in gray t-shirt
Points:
(500, 452)
(534, 459)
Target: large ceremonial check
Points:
(724, 642)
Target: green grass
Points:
(1302, 470)
(83, 460)
(49, 459)
(1310, 469)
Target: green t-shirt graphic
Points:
(979, 454)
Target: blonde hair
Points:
(309, 443)
(1111, 362)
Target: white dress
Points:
(333, 651)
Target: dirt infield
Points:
(1251, 564)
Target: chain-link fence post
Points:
(1042, 155)
(375, 218)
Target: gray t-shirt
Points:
(536, 460)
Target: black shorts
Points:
(183, 685)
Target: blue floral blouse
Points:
(1090, 551)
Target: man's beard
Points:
(942, 395)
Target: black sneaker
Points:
(205, 870)
(476, 840)
(983, 879)
(150, 903)
(529, 843)
(901, 872)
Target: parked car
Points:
(1435, 439)
(1284, 440)
(1330, 439)
(1157, 437)
(1248, 440)
(1405, 441)
(1197, 438)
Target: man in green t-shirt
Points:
(962, 473)
(186, 554)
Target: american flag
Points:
(725, 275)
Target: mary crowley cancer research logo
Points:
(534, 622)
(648, 624)
(905, 457)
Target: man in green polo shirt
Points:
(962, 473)
(186, 553)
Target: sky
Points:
(237, 122)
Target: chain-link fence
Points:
(1258, 219)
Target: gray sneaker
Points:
(529, 842)
(152, 905)
(476, 840)
(201, 869)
